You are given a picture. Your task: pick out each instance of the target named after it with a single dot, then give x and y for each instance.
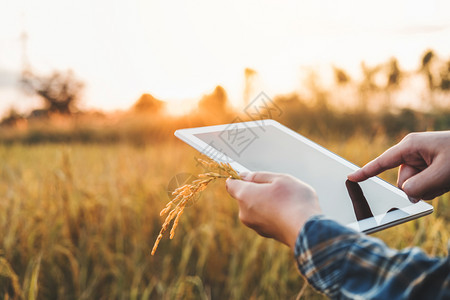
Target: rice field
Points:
(78, 221)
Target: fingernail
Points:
(243, 175)
(406, 187)
(413, 200)
(352, 175)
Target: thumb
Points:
(261, 177)
(240, 189)
(234, 187)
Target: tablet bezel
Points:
(390, 218)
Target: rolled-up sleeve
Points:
(345, 264)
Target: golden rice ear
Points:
(155, 246)
(165, 211)
(186, 193)
(175, 223)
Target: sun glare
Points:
(178, 51)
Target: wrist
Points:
(296, 228)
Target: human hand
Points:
(274, 205)
(424, 160)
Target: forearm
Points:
(344, 264)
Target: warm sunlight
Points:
(178, 50)
(109, 111)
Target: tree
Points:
(13, 118)
(368, 87)
(445, 77)
(340, 76)
(59, 91)
(437, 73)
(148, 104)
(215, 105)
(250, 76)
(394, 75)
(426, 68)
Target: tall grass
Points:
(78, 221)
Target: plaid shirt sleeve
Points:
(345, 264)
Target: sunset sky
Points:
(180, 50)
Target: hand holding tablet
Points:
(274, 205)
(269, 146)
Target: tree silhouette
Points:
(394, 74)
(60, 91)
(368, 86)
(426, 68)
(340, 76)
(437, 74)
(215, 105)
(249, 75)
(445, 77)
(369, 73)
(148, 104)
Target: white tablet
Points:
(266, 145)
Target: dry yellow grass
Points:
(185, 194)
(77, 222)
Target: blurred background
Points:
(92, 91)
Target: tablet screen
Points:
(271, 149)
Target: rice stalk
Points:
(185, 194)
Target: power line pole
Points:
(26, 66)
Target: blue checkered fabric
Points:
(345, 264)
